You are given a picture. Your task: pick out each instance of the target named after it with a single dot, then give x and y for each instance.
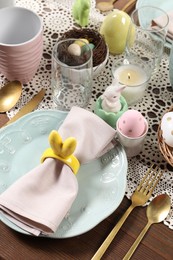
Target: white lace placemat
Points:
(57, 19)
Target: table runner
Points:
(57, 19)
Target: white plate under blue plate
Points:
(102, 182)
(165, 5)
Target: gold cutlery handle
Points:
(112, 234)
(137, 241)
(131, 2)
(30, 106)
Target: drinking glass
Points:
(145, 38)
(72, 74)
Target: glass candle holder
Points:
(135, 75)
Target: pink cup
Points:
(21, 43)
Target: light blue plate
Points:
(102, 182)
(163, 4)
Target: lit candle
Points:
(135, 78)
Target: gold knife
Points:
(30, 106)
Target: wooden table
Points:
(157, 244)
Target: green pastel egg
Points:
(85, 48)
(92, 46)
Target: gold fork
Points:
(139, 198)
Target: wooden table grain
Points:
(157, 244)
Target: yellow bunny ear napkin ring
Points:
(62, 151)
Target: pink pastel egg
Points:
(132, 123)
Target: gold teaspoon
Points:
(9, 95)
(157, 211)
(105, 6)
(109, 5)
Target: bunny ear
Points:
(115, 82)
(63, 149)
(55, 141)
(120, 88)
(68, 147)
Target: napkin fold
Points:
(160, 21)
(38, 201)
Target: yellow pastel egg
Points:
(81, 42)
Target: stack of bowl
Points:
(21, 43)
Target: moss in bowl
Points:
(110, 117)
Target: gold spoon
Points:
(109, 5)
(128, 5)
(105, 6)
(157, 211)
(9, 95)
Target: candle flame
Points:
(128, 75)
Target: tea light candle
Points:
(135, 78)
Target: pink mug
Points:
(21, 43)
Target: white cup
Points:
(132, 146)
(6, 3)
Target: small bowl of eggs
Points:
(165, 136)
(96, 42)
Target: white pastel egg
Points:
(74, 49)
(167, 128)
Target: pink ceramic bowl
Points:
(15, 50)
(25, 59)
(21, 43)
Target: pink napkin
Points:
(160, 21)
(39, 200)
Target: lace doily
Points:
(57, 19)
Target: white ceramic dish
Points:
(165, 5)
(102, 182)
(98, 69)
(7, 3)
(22, 25)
